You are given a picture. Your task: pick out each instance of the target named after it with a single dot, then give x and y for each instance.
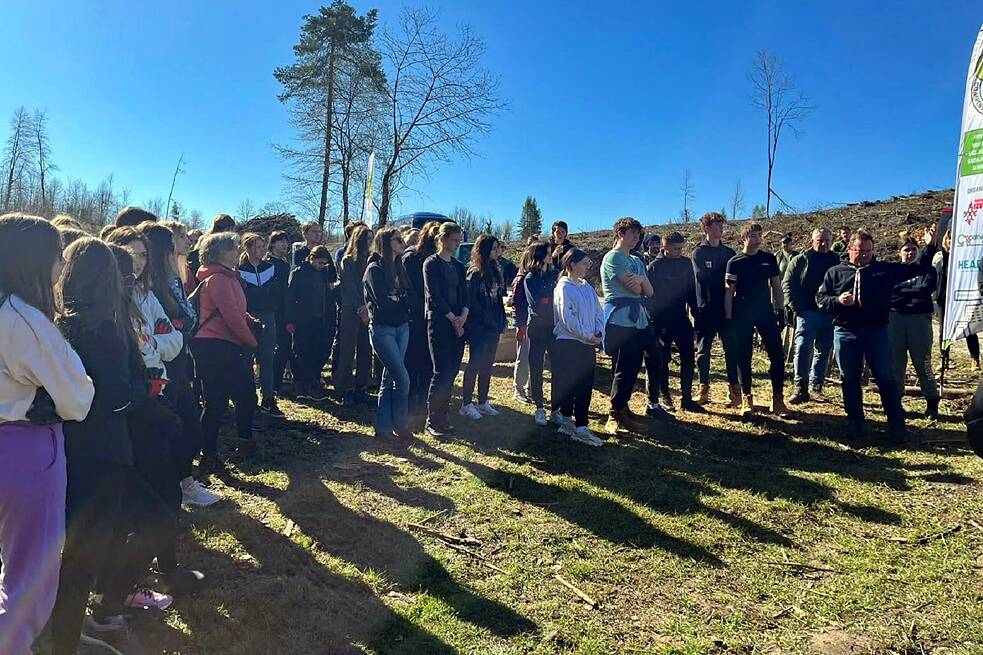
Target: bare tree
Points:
(737, 201)
(16, 155)
(104, 202)
(155, 206)
(170, 194)
(195, 220)
(689, 192)
(783, 104)
(42, 150)
(245, 210)
(439, 98)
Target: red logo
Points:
(974, 208)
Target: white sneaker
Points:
(585, 436)
(195, 493)
(540, 418)
(486, 408)
(470, 411)
(560, 420)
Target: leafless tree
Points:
(155, 206)
(104, 202)
(737, 201)
(439, 98)
(784, 105)
(195, 220)
(42, 150)
(245, 210)
(16, 153)
(170, 194)
(689, 192)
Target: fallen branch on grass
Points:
(580, 594)
(443, 536)
(478, 556)
(433, 516)
(928, 537)
(798, 565)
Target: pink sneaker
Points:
(145, 598)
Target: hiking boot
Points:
(747, 405)
(666, 401)
(624, 420)
(689, 405)
(659, 413)
(704, 396)
(801, 396)
(932, 409)
(778, 407)
(735, 396)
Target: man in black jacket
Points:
(672, 275)
(709, 266)
(858, 293)
(813, 327)
(910, 325)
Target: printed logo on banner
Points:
(977, 90)
(971, 211)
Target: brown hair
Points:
(862, 235)
(358, 244)
(382, 245)
(448, 228)
(121, 236)
(481, 261)
(64, 220)
(160, 264)
(222, 223)
(573, 256)
(33, 246)
(247, 240)
(350, 228)
(748, 228)
(537, 258)
(133, 216)
(319, 252)
(710, 218)
(426, 245)
(277, 235)
(625, 224)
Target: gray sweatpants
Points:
(912, 334)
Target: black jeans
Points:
(284, 353)
(541, 341)
(573, 378)
(184, 402)
(353, 349)
(707, 328)
(680, 335)
(94, 504)
(655, 363)
(626, 345)
(767, 325)
(312, 347)
(481, 358)
(447, 351)
(226, 374)
(419, 364)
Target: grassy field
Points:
(710, 535)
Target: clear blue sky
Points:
(609, 102)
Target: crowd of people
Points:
(119, 356)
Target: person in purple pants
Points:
(42, 383)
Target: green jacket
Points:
(783, 259)
(804, 276)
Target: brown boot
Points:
(704, 397)
(778, 407)
(747, 407)
(735, 396)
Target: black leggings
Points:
(481, 359)
(419, 364)
(573, 365)
(541, 341)
(771, 339)
(447, 351)
(226, 374)
(184, 402)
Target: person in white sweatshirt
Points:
(579, 329)
(42, 383)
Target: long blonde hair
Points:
(180, 261)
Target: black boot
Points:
(801, 396)
(932, 408)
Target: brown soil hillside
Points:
(885, 219)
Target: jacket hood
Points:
(214, 269)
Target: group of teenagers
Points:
(119, 356)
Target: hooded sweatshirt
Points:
(871, 285)
(577, 311)
(222, 305)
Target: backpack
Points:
(195, 299)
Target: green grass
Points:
(712, 535)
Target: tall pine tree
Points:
(531, 221)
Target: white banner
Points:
(367, 205)
(963, 305)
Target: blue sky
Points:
(609, 102)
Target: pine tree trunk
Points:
(329, 108)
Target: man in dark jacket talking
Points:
(858, 293)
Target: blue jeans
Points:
(812, 327)
(853, 345)
(389, 344)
